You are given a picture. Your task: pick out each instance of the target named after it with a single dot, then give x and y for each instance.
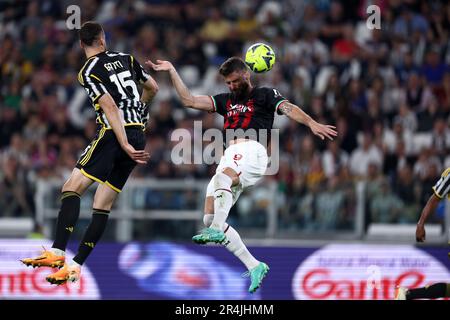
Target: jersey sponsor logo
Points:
(239, 108)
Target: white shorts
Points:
(249, 160)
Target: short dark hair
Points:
(232, 64)
(90, 31)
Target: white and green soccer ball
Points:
(260, 57)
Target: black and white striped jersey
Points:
(118, 74)
(442, 187)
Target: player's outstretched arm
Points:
(187, 99)
(115, 120)
(427, 210)
(295, 113)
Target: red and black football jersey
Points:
(256, 111)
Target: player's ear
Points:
(103, 40)
(81, 44)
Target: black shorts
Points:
(104, 160)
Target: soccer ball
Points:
(260, 57)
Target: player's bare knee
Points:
(104, 197)
(221, 181)
(103, 204)
(77, 183)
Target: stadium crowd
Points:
(387, 90)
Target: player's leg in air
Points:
(434, 291)
(109, 165)
(222, 193)
(103, 201)
(68, 215)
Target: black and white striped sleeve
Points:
(90, 79)
(442, 187)
(141, 75)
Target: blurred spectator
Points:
(16, 149)
(385, 206)
(344, 47)
(346, 136)
(407, 190)
(216, 28)
(367, 153)
(333, 159)
(407, 118)
(398, 134)
(162, 122)
(16, 199)
(334, 24)
(10, 122)
(427, 117)
(330, 206)
(408, 22)
(417, 95)
(426, 159)
(433, 68)
(441, 138)
(442, 93)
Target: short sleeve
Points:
(219, 102)
(274, 99)
(442, 186)
(90, 77)
(141, 75)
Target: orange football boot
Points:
(46, 259)
(67, 273)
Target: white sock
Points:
(57, 251)
(238, 248)
(235, 244)
(223, 200)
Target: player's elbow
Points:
(109, 107)
(154, 88)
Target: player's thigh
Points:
(123, 164)
(97, 160)
(229, 167)
(119, 175)
(104, 197)
(253, 164)
(77, 182)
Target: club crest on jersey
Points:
(238, 108)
